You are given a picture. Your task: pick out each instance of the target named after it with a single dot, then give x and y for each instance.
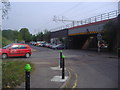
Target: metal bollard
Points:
(60, 62)
(27, 76)
(63, 67)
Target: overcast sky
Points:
(37, 16)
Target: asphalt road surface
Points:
(88, 69)
(91, 70)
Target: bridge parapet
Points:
(98, 18)
(91, 28)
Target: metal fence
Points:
(101, 17)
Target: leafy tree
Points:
(9, 34)
(19, 37)
(24, 32)
(5, 42)
(46, 35)
(110, 33)
(34, 37)
(40, 36)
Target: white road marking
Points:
(59, 79)
(56, 68)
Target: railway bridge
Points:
(83, 34)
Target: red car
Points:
(15, 49)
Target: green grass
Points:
(13, 73)
(5, 41)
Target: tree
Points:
(110, 34)
(40, 36)
(46, 35)
(19, 37)
(12, 35)
(34, 37)
(8, 34)
(24, 32)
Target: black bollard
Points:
(27, 81)
(63, 67)
(60, 59)
(27, 76)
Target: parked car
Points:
(48, 45)
(53, 46)
(40, 43)
(44, 44)
(32, 42)
(59, 46)
(15, 49)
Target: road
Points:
(87, 69)
(91, 70)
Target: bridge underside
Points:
(82, 41)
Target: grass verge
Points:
(13, 73)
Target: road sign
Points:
(99, 37)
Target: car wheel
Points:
(4, 56)
(27, 55)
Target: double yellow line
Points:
(76, 81)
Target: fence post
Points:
(63, 67)
(27, 76)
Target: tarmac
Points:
(47, 73)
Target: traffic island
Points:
(56, 68)
(59, 79)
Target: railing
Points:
(101, 17)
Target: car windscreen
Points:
(7, 46)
